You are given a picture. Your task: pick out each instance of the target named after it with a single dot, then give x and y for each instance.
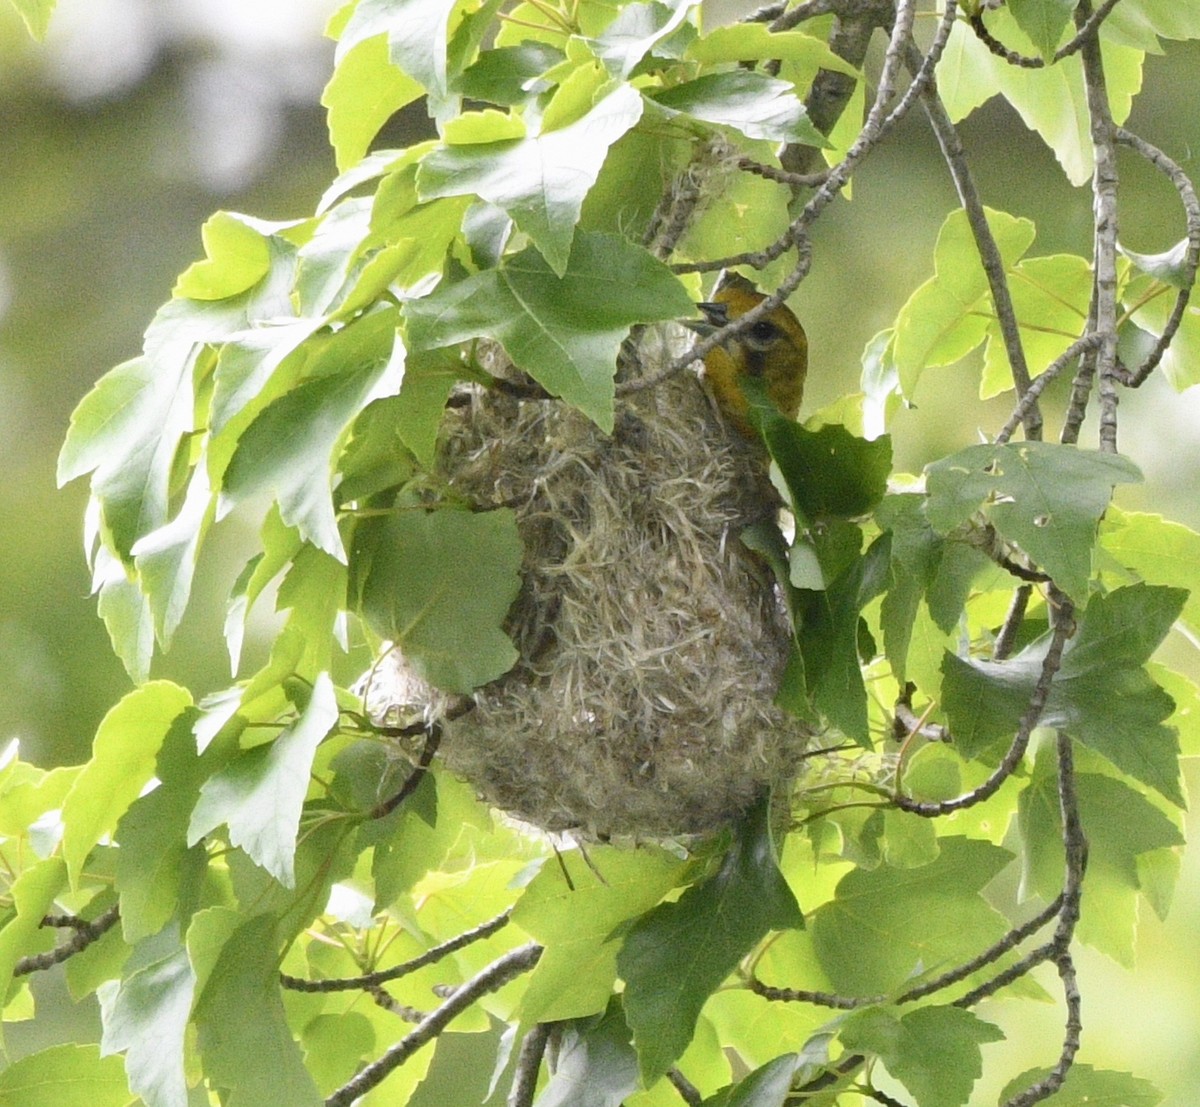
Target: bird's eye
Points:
(763, 333)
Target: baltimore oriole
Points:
(774, 350)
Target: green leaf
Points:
(1044, 497)
(127, 615)
(828, 624)
(1119, 823)
(366, 89)
(575, 923)
(747, 100)
(540, 181)
(635, 31)
(948, 315)
(883, 925)
(756, 42)
(439, 584)
(126, 430)
(155, 866)
(1051, 297)
(596, 1065)
(508, 75)
(32, 895)
(260, 793)
(767, 1086)
(1153, 302)
(1051, 100)
(1102, 695)
(238, 256)
(675, 956)
(1043, 21)
(166, 558)
(123, 759)
(417, 32)
(1170, 266)
(565, 331)
(830, 473)
(933, 1051)
(242, 1030)
(36, 15)
(923, 565)
(145, 1016)
(1086, 1086)
(65, 1074)
(429, 377)
(289, 449)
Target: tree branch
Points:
(1191, 206)
(85, 934)
(529, 1064)
(1104, 190)
(375, 979)
(1063, 629)
(955, 157)
(1086, 32)
(495, 976)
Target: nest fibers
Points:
(651, 642)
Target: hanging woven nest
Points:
(651, 642)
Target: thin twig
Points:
(433, 739)
(688, 1091)
(990, 257)
(1082, 36)
(1063, 629)
(495, 976)
(1191, 206)
(529, 1064)
(1006, 638)
(1105, 181)
(375, 979)
(85, 934)
(1075, 864)
(1082, 345)
(394, 1006)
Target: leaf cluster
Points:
(278, 898)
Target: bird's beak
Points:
(715, 317)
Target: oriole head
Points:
(774, 350)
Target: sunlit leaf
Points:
(65, 1074)
(259, 794)
(36, 15)
(540, 181)
(948, 316)
(366, 89)
(564, 331)
(238, 256)
(883, 925)
(123, 759)
(576, 923)
(31, 894)
(747, 100)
